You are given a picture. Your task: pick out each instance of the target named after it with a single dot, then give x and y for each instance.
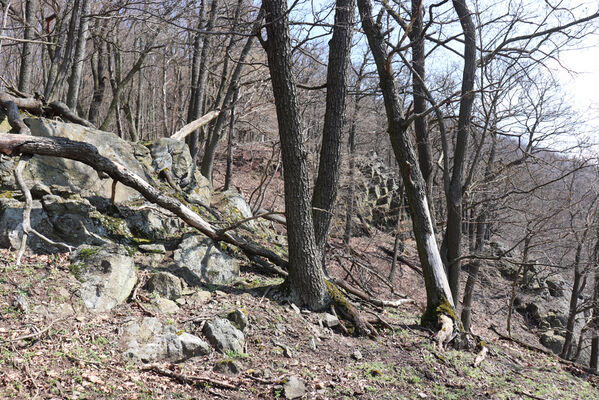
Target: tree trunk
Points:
(454, 194)
(99, 71)
(212, 142)
(75, 78)
(306, 277)
(423, 146)
(229, 170)
(438, 293)
(595, 325)
(27, 53)
(327, 181)
(199, 75)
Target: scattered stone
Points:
(357, 355)
(166, 285)
(330, 320)
(153, 225)
(148, 340)
(239, 319)
(152, 248)
(553, 341)
(228, 367)
(293, 388)
(223, 336)
(107, 273)
(20, 303)
(164, 306)
(201, 261)
(295, 308)
(199, 298)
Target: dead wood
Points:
(188, 379)
(60, 109)
(195, 125)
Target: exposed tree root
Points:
(189, 379)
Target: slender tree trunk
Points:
(425, 159)
(229, 170)
(327, 181)
(454, 194)
(306, 277)
(572, 309)
(199, 75)
(595, 324)
(212, 142)
(99, 72)
(27, 53)
(439, 295)
(77, 70)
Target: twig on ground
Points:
(188, 379)
(36, 334)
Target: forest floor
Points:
(50, 350)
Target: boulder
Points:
(11, 228)
(78, 176)
(152, 225)
(223, 336)
(161, 305)
(553, 341)
(165, 284)
(148, 340)
(107, 274)
(233, 206)
(556, 287)
(201, 261)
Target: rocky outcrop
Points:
(201, 261)
(107, 274)
(166, 285)
(148, 340)
(233, 206)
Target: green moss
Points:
(6, 195)
(77, 269)
(87, 252)
(339, 300)
(431, 314)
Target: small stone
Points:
(20, 303)
(228, 367)
(295, 308)
(239, 319)
(152, 248)
(294, 388)
(422, 395)
(181, 301)
(199, 298)
(165, 306)
(330, 320)
(357, 355)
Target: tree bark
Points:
(453, 233)
(306, 277)
(199, 75)
(595, 325)
(327, 181)
(75, 78)
(438, 293)
(99, 72)
(27, 53)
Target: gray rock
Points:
(148, 340)
(239, 319)
(11, 228)
(152, 248)
(233, 205)
(71, 218)
(164, 306)
(223, 336)
(293, 388)
(357, 355)
(556, 287)
(149, 224)
(228, 367)
(330, 320)
(173, 155)
(553, 341)
(107, 273)
(165, 284)
(200, 261)
(78, 176)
